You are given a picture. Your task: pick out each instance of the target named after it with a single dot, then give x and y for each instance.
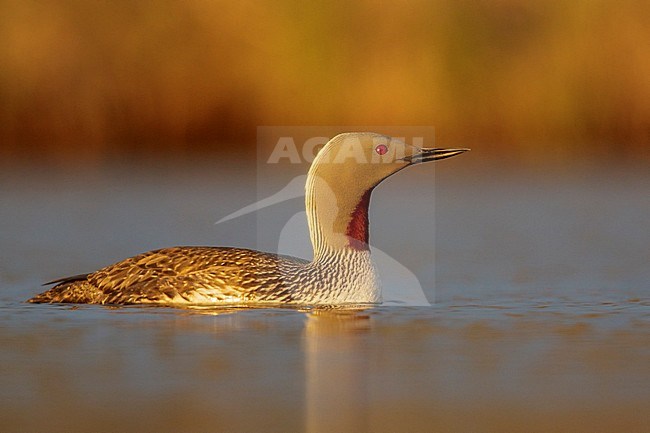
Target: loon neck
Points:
(337, 217)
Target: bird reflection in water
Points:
(336, 368)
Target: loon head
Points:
(342, 177)
(364, 159)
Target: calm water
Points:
(539, 320)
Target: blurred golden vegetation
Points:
(83, 80)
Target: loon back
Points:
(190, 275)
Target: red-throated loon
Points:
(338, 189)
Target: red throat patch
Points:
(357, 231)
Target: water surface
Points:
(539, 318)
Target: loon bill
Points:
(337, 198)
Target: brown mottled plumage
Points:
(337, 198)
(182, 275)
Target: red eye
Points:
(381, 149)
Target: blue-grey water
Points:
(538, 280)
